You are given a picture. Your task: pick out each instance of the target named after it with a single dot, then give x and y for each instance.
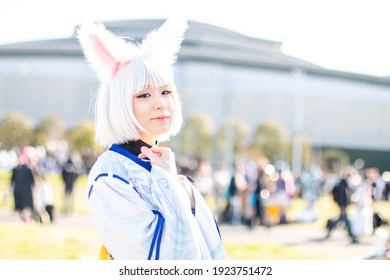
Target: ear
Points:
(105, 52)
(164, 43)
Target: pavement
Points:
(305, 237)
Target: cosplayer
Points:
(141, 207)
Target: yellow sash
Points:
(104, 254)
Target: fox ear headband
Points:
(107, 53)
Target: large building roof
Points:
(203, 42)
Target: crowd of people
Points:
(251, 194)
(33, 193)
(247, 193)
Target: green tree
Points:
(231, 140)
(15, 130)
(196, 137)
(81, 137)
(271, 140)
(51, 128)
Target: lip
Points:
(161, 118)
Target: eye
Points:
(143, 95)
(166, 92)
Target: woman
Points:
(22, 183)
(141, 207)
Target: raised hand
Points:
(161, 156)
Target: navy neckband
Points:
(120, 150)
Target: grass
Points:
(42, 242)
(263, 251)
(47, 242)
(56, 242)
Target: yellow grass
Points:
(46, 242)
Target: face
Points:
(153, 108)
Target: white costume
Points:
(142, 212)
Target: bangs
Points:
(145, 76)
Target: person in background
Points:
(45, 201)
(342, 196)
(69, 174)
(22, 184)
(386, 190)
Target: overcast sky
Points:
(347, 35)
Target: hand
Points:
(161, 156)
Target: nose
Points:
(160, 103)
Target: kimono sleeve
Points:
(125, 222)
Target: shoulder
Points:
(107, 162)
(114, 163)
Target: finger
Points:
(147, 153)
(141, 155)
(157, 150)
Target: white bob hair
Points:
(125, 69)
(114, 117)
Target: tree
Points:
(271, 140)
(81, 140)
(196, 137)
(81, 137)
(231, 140)
(15, 130)
(49, 130)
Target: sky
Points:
(345, 35)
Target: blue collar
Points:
(122, 151)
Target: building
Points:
(221, 73)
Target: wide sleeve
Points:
(204, 227)
(160, 226)
(124, 221)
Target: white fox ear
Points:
(162, 45)
(105, 52)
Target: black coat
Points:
(22, 181)
(342, 193)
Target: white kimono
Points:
(142, 212)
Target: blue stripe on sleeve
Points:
(115, 177)
(157, 236)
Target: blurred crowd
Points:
(29, 186)
(247, 192)
(260, 193)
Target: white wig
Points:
(124, 69)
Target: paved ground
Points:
(306, 237)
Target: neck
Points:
(149, 140)
(134, 147)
